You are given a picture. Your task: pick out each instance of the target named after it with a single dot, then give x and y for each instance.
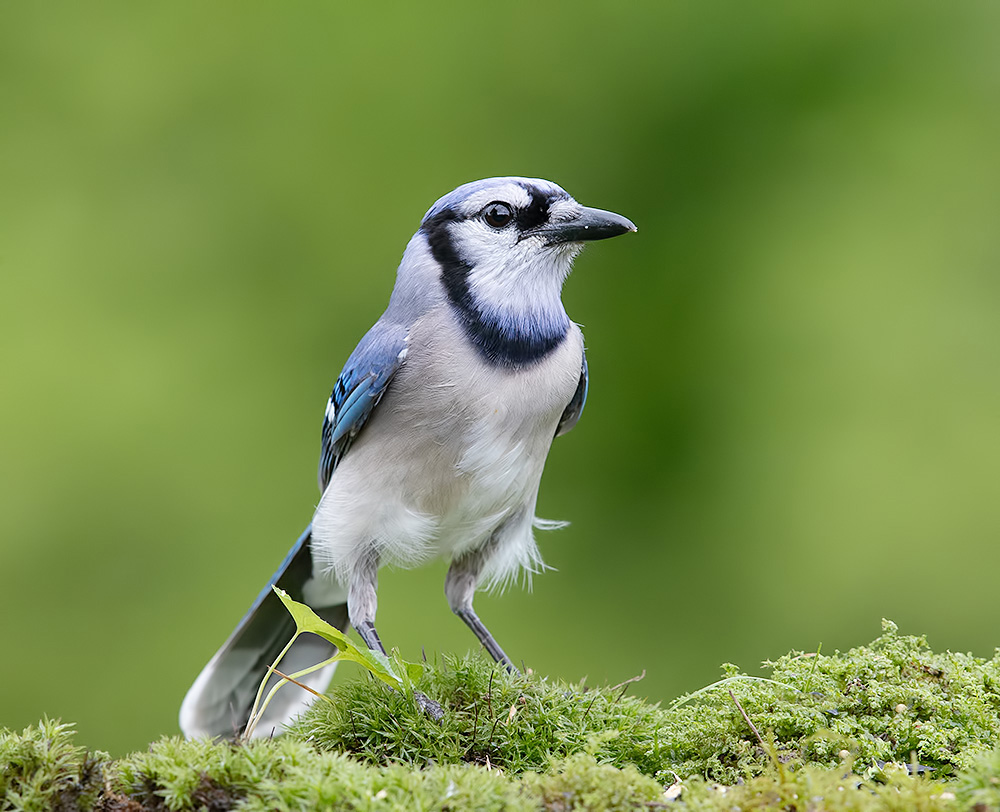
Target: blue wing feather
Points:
(361, 384)
(354, 410)
(575, 407)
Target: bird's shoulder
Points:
(358, 389)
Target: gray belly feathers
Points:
(442, 472)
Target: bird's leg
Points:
(369, 634)
(460, 587)
(362, 603)
(362, 600)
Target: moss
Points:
(825, 732)
(814, 788)
(892, 700)
(580, 782)
(41, 770)
(978, 787)
(286, 775)
(492, 718)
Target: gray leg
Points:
(460, 587)
(362, 603)
(370, 635)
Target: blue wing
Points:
(576, 404)
(358, 390)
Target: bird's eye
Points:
(497, 214)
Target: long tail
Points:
(220, 700)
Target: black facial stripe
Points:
(497, 343)
(536, 213)
(454, 270)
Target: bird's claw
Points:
(428, 706)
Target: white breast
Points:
(455, 449)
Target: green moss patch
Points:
(890, 725)
(890, 701)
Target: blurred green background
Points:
(794, 418)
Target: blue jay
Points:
(434, 437)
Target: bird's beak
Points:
(584, 225)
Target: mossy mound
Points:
(891, 725)
(890, 701)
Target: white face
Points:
(513, 271)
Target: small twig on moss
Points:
(489, 744)
(753, 727)
(489, 692)
(496, 719)
(683, 700)
(624, 685)
(303, 686)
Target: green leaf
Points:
(306, 620)
(397, 673)
(410, 672)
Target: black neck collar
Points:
(501, 341)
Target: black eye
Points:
(497, 214)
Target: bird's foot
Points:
(428, 706)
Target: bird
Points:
(433, 440)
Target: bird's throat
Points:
(508, 339)
(504, 335)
